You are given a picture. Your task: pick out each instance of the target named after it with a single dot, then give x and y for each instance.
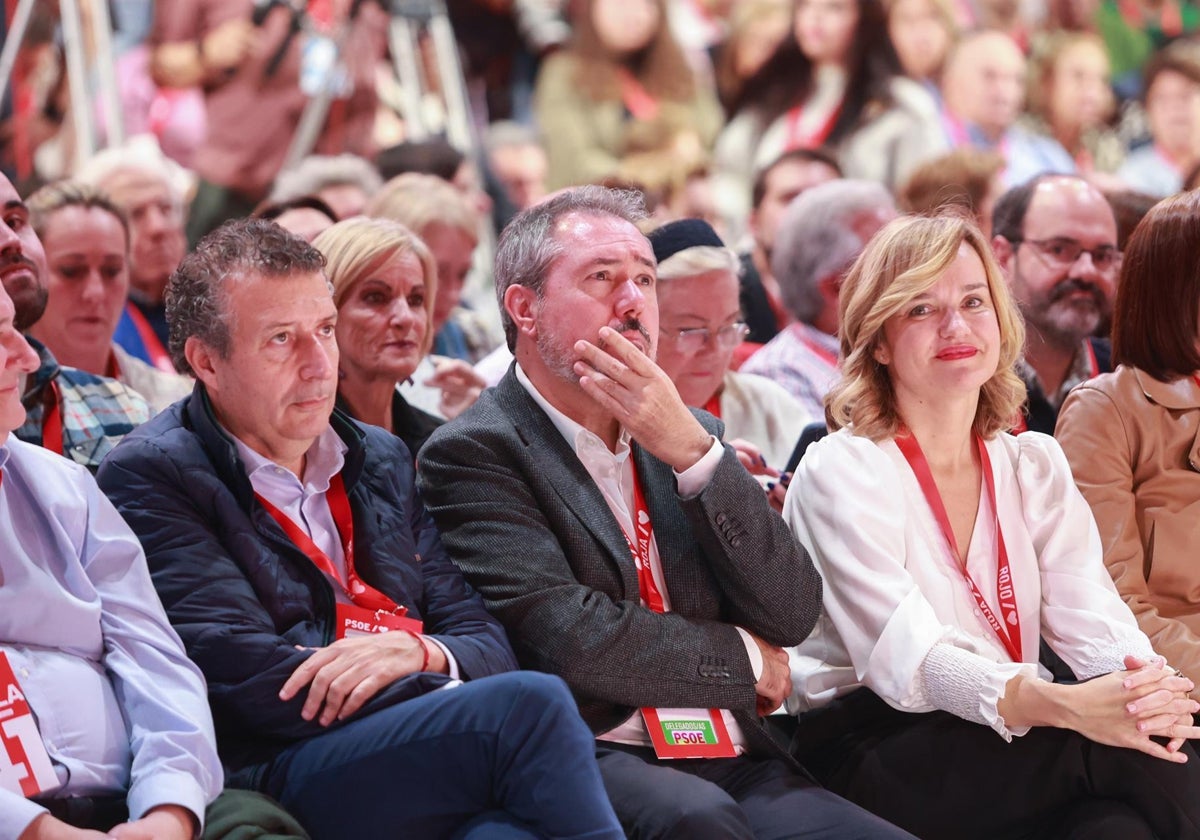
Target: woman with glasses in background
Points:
(1133, 436)
(700, 325)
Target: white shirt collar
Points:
(575, 434)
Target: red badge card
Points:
(688, 733)
(25, 766)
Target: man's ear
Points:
(520, 302)
(200, 358)
(1005, 254)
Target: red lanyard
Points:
(159, 357)
(713, 406)
(640, 550)
(796, 139)
(1011, 639)
(801, 333)
(635, 97)
(360, 593)
(52, 422)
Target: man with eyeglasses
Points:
(139, 182)
(1055, 238)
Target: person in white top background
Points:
(948, 548)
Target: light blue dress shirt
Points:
(120, 707)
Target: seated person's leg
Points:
(513, 742)
(779, 802)
(245, 814)
(656, 802)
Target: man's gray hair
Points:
(816, 238)
(507, 134)
(139, 155)
(317, 172)
(196, 292)
(528, 245)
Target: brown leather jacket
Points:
(1133, 443)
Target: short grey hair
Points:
(144, 158)
(507, 134)
(528, 246)
(316, 172)
(816, 238)
(196, 292)
(700, 259)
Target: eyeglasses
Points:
(1062, 252)
(696, 338)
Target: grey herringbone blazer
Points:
(530, 529)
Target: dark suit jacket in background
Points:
(522, 517)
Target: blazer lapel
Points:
(560, 466)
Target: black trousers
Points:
(739, 798)
(942, 777)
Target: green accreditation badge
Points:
(688, 733)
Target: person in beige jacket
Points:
(1132, 437)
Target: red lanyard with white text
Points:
(1010, 638)
(360, 593)
(643, 533)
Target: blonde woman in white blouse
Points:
(948, 548)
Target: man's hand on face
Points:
(642, 398)
(345, 675)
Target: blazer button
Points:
(735, 542)
(720, 519)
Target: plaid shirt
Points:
(803, 360)
(96, 411)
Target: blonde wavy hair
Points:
(358, 247)
(905, 259)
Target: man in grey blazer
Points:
(624, 547)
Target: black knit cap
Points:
(680, 235)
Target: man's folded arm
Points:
(212, 604)
(615, 650)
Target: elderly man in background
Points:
(821, 234)
(983, 89)
(142, 183)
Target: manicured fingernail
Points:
(1131, 708)
(762, 459)
(785, 478)
(770, 485)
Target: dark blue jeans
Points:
(506, 756)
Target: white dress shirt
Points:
(613, 474)
(898, 616)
